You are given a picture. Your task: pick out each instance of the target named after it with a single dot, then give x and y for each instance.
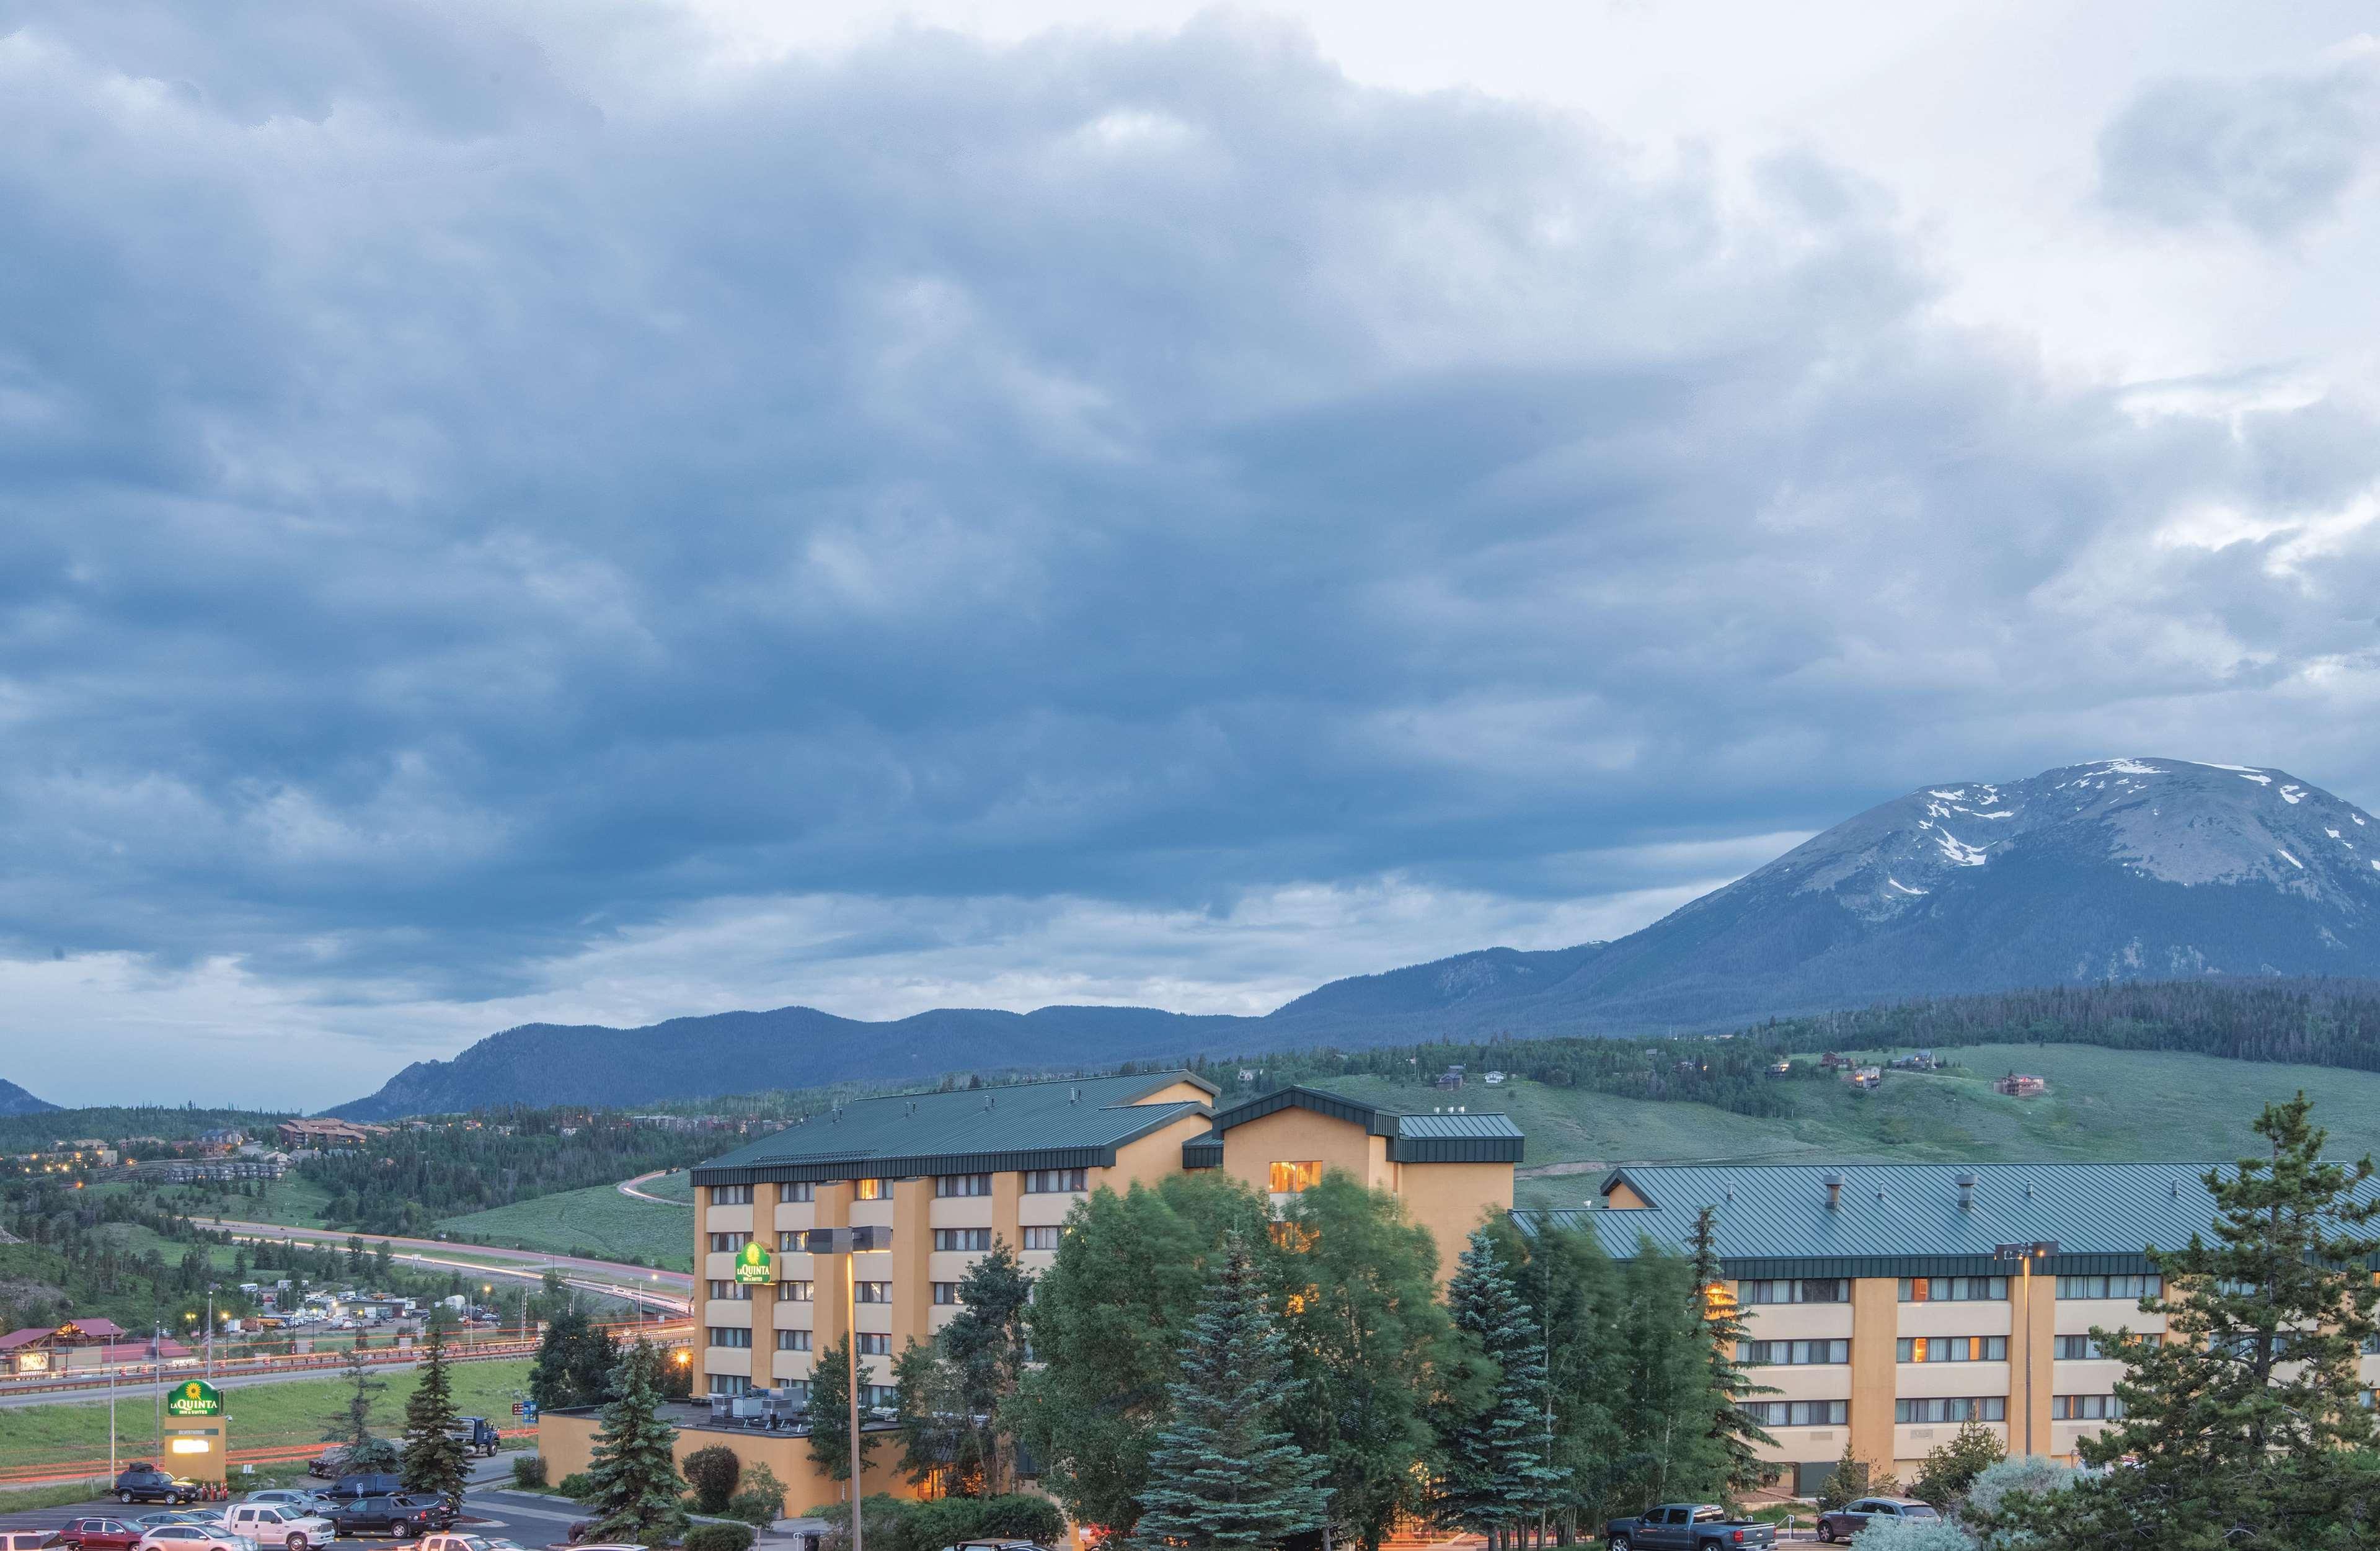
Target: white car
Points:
(193, 1537)
(451, 1542)
(293, 1525)
(300, 1496)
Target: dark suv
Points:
(146, 1483)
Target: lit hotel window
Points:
(1288, 1178)
(868, 1190)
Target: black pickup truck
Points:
(1686, 1527)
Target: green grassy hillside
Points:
(2103, 1105)
(599, 1221)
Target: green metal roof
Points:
(1904, 1219)
(1440, 1138)
(1071, 1123)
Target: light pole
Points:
(210, 1331)
(850, 1243)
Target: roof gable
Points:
(1443, 1137)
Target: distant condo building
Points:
(951, 1173)
(1890, 1303)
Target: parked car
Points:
(191, 1537)
(290, 1523)
(1686, 1527)
(365, 1483)
(1852, 1517)
(398, 1515)
(303, 1497)
(145, 1483)
(99, 1534)
(37, 1540)
(451, 1542)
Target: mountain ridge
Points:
(2134, 868)
(15, 1101)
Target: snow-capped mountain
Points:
(2135, 868)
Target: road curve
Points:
(628, 1188)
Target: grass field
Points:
(597, 1221)
(2103, 1105)
(675, 1187)
(260, 1415)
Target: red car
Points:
(100, 1534)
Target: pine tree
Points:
(830, 1413)
(2244, 1428)
(984, 1343)
(1496, 1449)
(351, 1425)
(434, 1460)
(1732, 1431)
(1225, 1474)
(636, 1485)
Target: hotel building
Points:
(951, 1173)
(1888, 1304)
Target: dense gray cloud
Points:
(482, 486)
(2271, 153)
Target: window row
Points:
(798, 1340)
(1796, 1413)
(946, 1238)
(1949, 1408)
(1763, 1355)
(2110, 1286)
(1055, 1181)
(728, 1243)
(2085, 1407)
(962, 1184)
(1953, 1349)
(1826, 1290)
(2070, 1348)
(730, 1292)
(1954, 1289)
(875, 1343)
(730, 1335)
(1290, 1179)
(1037, 1181)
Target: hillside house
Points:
(2021, 1085)
(1865, 1076)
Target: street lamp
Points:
(2025, 1254)
(850, 1242)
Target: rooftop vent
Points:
(1966, 1183)
(1834, 1183)
(2174, 1186)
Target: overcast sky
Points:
(597, 511)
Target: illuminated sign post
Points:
(195, 1448)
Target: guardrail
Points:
(96, 1469)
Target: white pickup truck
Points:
(283, 1524)
(452, 1542)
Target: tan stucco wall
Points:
(567, 1444)
(1153, 1158)
(1620, 1198)
(1298, 1136)
(1453, 1199)
(1875, 1309)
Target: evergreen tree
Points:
(635, 1485)
(1732, 1431)
(575, 1362)
(1225, 1475)
(1107, 1321)
(830, 1412)
(351, 1425)
(1495, 1450)
(434, 1460)
(2244, 1428)
(984, 1344)
(1369, 1342)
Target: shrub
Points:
(1912, 1534)
(2002, 1494)
(1953, 1468)
(718, 1537)
(1019, 1516)
(529, 1469)
(713, 1473)
(575, 1486)
(760, 1500)
(1854, 1477)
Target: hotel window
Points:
(730, 1292)
(875, 1343)
(1765, 1354)
(797, 1340)
(868, 1190)
(2070, 1348)
(878, 1397)
(962, 1184)
(968, 1239)
(1942, 1408)
(801, 1190)
(1288, 1178)
(1038, 1238)
(789, 1242)
(2086, 1407)
(728, 1243)
(735, 1384)
(2133, 1287)
(731, 1195)
(799, 1292)
(1954, 1289)
(1055, 1181)
(944, 1292)
(730, 1336)
(1953, 1349)
(1797, 1413)
(874, 1292)
(1821, 1291)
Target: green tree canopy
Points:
(433, 1461)
(636, 1485)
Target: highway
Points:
(670, 1290)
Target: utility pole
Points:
(851, 1350)
(210, 1331)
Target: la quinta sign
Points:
(194, 1398)
(754, 1265)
